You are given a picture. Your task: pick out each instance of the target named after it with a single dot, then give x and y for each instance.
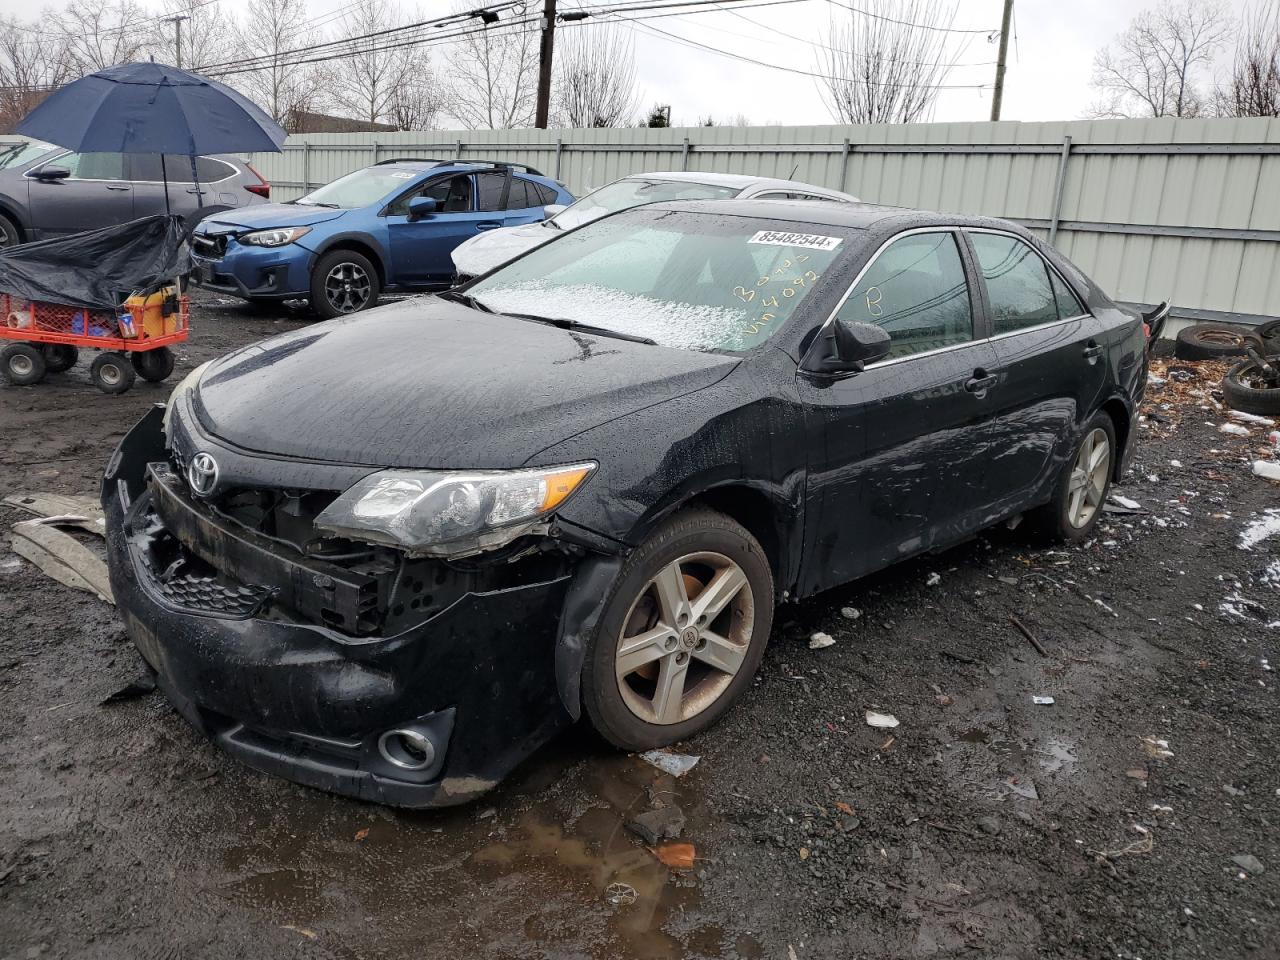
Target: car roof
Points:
(454, 166)
(741, 181)
(856, 216)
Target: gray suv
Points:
(48, 191)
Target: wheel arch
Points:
(9, 210)
(1120, 411)
(356, 243)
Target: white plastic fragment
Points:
(1267, 469)
(1175, 463)
(820, 640)
(881, 721)
(1156, 748)
(1126, 502)
(1234, 429)
(1243, 417)
(1042, 701)
(850, 613)
(933, 579)
(676, 764)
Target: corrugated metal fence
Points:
(1186, 210)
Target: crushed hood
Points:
(264, 216)
(431, 384)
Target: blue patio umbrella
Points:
(151, 108)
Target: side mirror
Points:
(551, 209)
(844, 346)
(420, 208)
(52, 172)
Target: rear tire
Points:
(343, 282)
(60, 357)
(1082, 488)
(112, 373)
(23, 364)
(153, 365)
(1240, 393)
(1212, 341)
(700, 656)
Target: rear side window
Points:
(489, 190)
(521, 195)
(545, 194)
(145, 167)
(1017, 283)
(1069, 304)
(916, 290)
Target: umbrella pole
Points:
(195, 180)
(164, 175)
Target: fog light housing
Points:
(407, 749)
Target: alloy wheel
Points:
(1088, 480)
(347, 287)
(684, 638)
(7, 239)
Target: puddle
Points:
(1057, 756)
(534, 874)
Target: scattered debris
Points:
(1145, 845)
(138, 687)
(1231, 791)
(881, 721)
(59, 504)
(933, 579)
(1022, 628)
(1042, 701)
(677, 856)
(1137, 773)
(989, 825)
(301, 931)
(1267, 469)
(1248, 863)
(843, 807)
(486, 813)
(850, 613)
(62, 557)
(1125, 502)
(620, 894)
(676, 764)
(820, 640)
(1156, 749)
(804, 853)
(1243, 417)
(361, 834)
(1235, 430)
(658, 824)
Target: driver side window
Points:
(451, 194)
(917, 291)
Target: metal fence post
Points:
(559, 148)
(684, 155)
(458, 155)
(1057, 190)
(377, 148)
(844, 164)
(306, 166)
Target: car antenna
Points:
(793, 171)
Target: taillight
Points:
(261, 188)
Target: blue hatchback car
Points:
(392, 225)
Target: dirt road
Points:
(984, 824)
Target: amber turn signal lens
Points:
(561, 484)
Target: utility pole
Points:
(546, 50)
(176, 20)
(1004, 52)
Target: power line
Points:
(907, 23)
(777, 66)
(107, 31)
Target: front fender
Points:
(583, 605)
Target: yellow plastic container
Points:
(148, 313)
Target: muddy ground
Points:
(983, 825)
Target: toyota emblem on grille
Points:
(202, 474)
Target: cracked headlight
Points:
(447, 514)
(273, 238)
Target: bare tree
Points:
(365, 86)
(886, 63)
(595, 82)
(32, 63)
(1253, 89)
(494, 74)
(1154, 68)
(100, 33)
(417, 104)
(208, 35)
(272, 29)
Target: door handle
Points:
(195, 190)
(1092, 351)
(488, 224)
(980, 382)
(112, 186)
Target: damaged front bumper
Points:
(428, 714)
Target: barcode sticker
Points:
(779, 238)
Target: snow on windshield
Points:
(624, 194)
(687, 325)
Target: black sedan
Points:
(391, 555)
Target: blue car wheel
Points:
(343, 282)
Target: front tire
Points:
(1082, 489)
(112, 373)
(23, 364)
(343, 282)
(683, 631)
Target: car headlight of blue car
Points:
(278, 237)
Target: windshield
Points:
(700, 281)
(17, 154)
(624, 194)
(360, 189)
